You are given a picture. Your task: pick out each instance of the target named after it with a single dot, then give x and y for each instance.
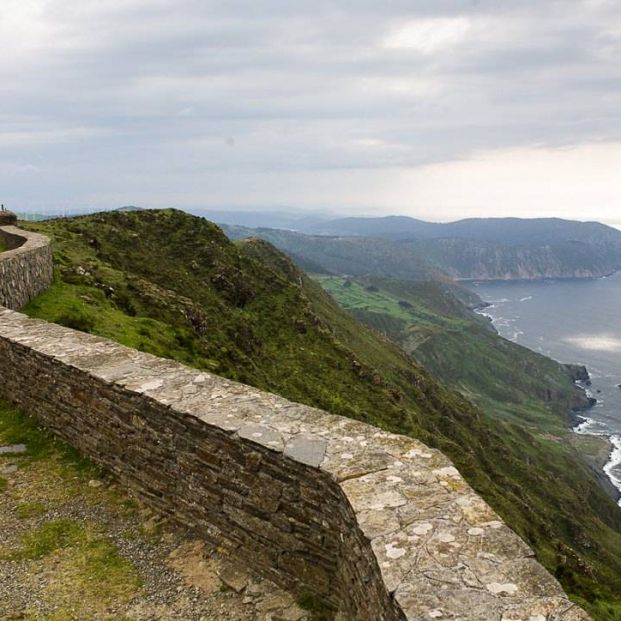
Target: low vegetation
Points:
(38, 542)
(75, 547)
(173, 285)
(346, 255)
(461, 348)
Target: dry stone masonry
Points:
(379, 525)
(25, 268)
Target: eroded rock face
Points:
(380, 526)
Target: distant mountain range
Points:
(275, 219)
(509, 231)
(410, 249)
(472, 249)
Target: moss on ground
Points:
(72, 565)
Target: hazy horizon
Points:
(292, 212)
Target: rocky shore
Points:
(596, 449)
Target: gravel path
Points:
(122, 562)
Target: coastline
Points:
(581, 425)
(474, 281)
(603, 454)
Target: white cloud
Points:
(429, 35)
(439, 108)
(577, 182)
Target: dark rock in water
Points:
(598, 391)
(618, 385)
(579, 373)
(592, 401)
(480, 306)
(588, 383)
(576, 420)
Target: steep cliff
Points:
(481, 260)
(496, 248)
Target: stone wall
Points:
(379, 525)
(26, 268)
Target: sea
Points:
(577, 321)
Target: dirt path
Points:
(75, 547)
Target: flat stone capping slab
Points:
(379, 525)
(26, 268)
(12, 449)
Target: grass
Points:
(47, 538)
(173, 285)
(89, 573)
(28, 510)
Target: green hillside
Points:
(174, 285)
(358, 256)
(462, 349)
(434, 323)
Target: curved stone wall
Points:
(26, 268)
(379, 525)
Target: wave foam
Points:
(614, 461)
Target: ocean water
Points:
(575, 321)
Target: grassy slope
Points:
(346, 255)
(460, 349)
(173, 285)
(431, 322)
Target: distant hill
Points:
(468, 259)
(505, 231)
(497, 248)
(276, 219)
(130, 208)
(356, 256)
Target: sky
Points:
(437, 109)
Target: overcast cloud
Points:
(438, 109)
